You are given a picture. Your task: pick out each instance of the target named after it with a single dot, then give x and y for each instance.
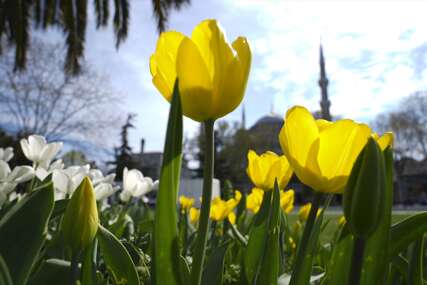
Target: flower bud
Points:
(364, 194)
(80, 222)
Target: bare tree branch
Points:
(46, 101)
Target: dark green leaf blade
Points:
(416, 261)
(213, 273)
(269, 269)
(117, 258)
(19, 248)
(405, 232)
(257, 239)
(166, 245)
(376, 251)
(52, 271)
(5, 278)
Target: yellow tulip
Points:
(212, 73)
(384, 141)
(254, 200)
(342, 221)
(232, 218)
(321, 153)
(304, 211)
(194, 214)
(287, 200)
(186, 203)
(221, 209)
(264, 169)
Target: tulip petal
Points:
(214, 48)
(254, 171)
(385, 140)
(163, 62)
(195, 86)
(340, 144)
(298, 134)
(241, 46)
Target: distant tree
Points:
(408, 122)
(123, 153)
(7, 140)
(75, 157)
(19, 18)
(231, 146)
(45, 101)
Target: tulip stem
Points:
(199, 252)
(357, 261)
(302, 247)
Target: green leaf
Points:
(302, 271)
(257, 239)
(166, 244)
(117, 258)
(339, 264)
(23, 231)
(213, 273)
(376, 251)
(184, 270)
(415, 268)
(59, 207)
(269, 269)
(399, 265)
(89, 264)
(5, 278)
(405, 232)
(52, 271)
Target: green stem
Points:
(74, 271)
(357, 261)
(302, 247)
(199, 252)
(238, 235)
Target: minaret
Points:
(243, 126)
(325, 104)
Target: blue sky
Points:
(376, 53)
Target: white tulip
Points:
(39, 151)
(42, 173)
(21, 174)
(67, 180)
(10, 179)
(6, 154)
(97, 177)
(103, 190)
(135, 184)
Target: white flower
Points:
(67, 180)
(42, 173)
(10, 179)
(6, 154)
(103, 190)
(39, 151)
(97, 177)
(135, 184)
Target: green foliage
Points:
(23, 232)
(166, 245)
(365, 190)
(117, 258)
(213, 273)
(5, 278)
(52, 271)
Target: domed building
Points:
(265, 133)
